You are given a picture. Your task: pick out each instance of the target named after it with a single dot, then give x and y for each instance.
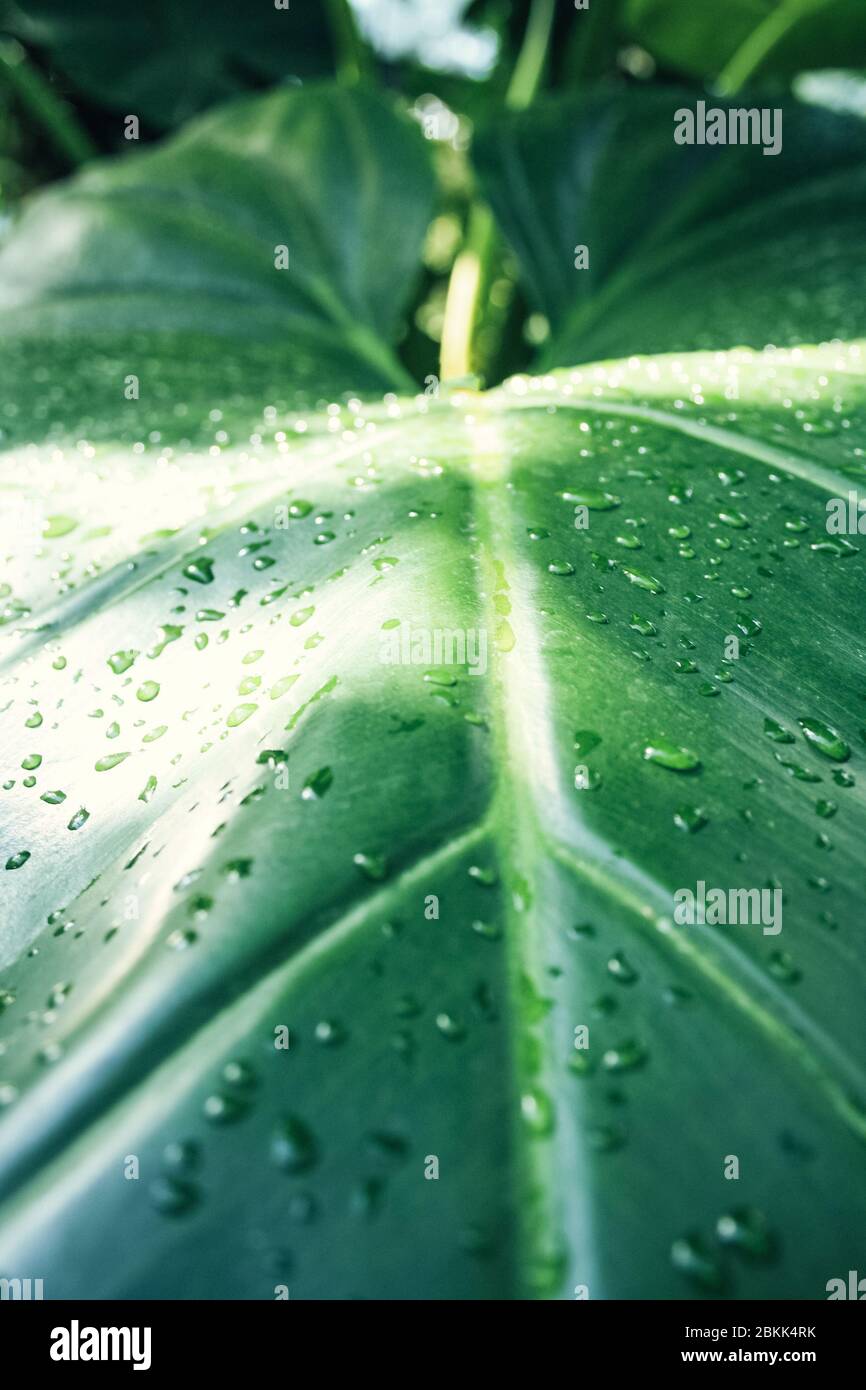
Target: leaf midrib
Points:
(519, 830)
(520, 837)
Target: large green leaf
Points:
(690, 247)
(201, 904)
(225, 815)
(168, 266)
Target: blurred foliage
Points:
(165, 60)
(72, 70)
(773, 39)
(555, 168)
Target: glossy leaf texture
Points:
(236, 816)
(265, 253)
(700, 246)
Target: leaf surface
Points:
(178, 928)
(235, 814)
(690, 246)
(262, 255)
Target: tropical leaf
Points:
(268, 248)
(236, 816)
(702, 246)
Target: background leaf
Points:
(699, 246)
(166, 62)
(164, 265)
(765, 38)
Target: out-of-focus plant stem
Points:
(43, 106)
(760, 42)
(531, 60)
(351, 55)
(472, 269)
(468, 277)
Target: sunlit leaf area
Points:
(432, 681)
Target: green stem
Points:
(42, 104)
(762, 40)
(529, 68)
(468, 278)
(348, 45)
(472, 269)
